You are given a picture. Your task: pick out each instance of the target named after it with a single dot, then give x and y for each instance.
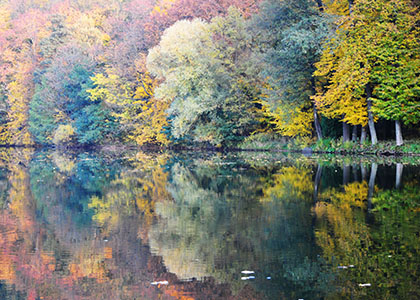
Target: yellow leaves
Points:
(290, 181)
(144, 116)
(289, 120)
(340, 232)
(16, 130)
(63, 134)
(4, 17)
(336, 7)
(162, 7)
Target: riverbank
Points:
(264, 142)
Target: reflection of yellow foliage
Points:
(89, 263)
(63, 162)
(290, 181)
(342, 230)
(133, 193)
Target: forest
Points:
(213, 73)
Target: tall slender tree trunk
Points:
(346, 132)
(355, 170)
(363, 135)
(398, 133)
(371, 123)
(371, 185)
(398, 175)
(317, 124)
(346, 174)
(354, 133)
(364, 172)
(317, 182)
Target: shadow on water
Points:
(207, 226)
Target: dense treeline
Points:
(208, 71)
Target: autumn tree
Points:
(203, 78)
(20, 37)
(168, 12)
(289, 39)
(396, 71)
(372, 59)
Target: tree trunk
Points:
(354, 134)
(398, 133)
(346, 132)
(355, 172)
(371, 123)
(398, 175)
(346, 174)
(363, 135)
(317, 183)
(371, 186)
(364, 172)
(318, 128)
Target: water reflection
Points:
(96, 226)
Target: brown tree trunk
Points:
(398, 133)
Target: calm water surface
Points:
(207, 226)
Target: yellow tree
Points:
(369, 43)
(142, 116)
(19, 49)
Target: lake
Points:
(243, 225)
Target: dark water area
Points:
(207, 226)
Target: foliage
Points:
(63, 135)
(220, 70)
(199, 64)
(376, 45)
(289, 39)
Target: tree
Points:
(203, 78)
(19, 48)
(61, 99)
(397, 68)
(168, 12)
(289, 39)
(371, 61)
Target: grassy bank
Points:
(271, 142)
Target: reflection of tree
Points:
(49, 247)
(384, 252)
(133, 193)
(222, 221)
